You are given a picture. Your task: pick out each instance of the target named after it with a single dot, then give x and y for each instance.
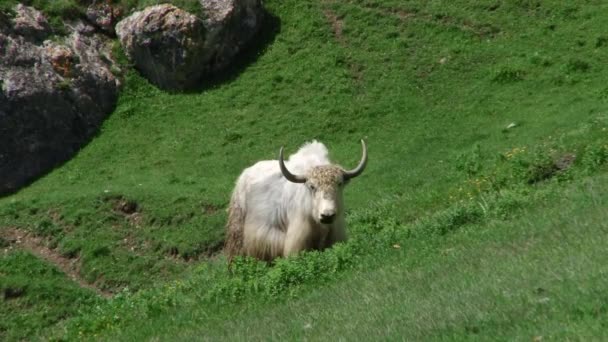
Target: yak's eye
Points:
(312, 187)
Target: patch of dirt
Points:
(356, 71)
(13, 292)
(337, 25)
(479, 30)
(565, 161)
(465, 25)
(18, 238)
(210, 252)
(135, 246)
(210, 209)
(403, 14)
(127, 208)
(541, 172)
(55, 215)
(214, 251)
(135, 219)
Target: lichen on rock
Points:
(175, 49)
(54, 94)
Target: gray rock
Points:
(53, 97)
(103, 15)
(174, 49)
(166, 45)
(230, 25)
(30, 23)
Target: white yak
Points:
(280, 208)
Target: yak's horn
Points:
(359, 169)
(290, 176)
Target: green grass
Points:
(432, 86)
(56, 10)
(35, 295)
(541, 273)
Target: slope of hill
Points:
(486, 125)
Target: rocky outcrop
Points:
(230, 25)
(175, 49)
(103, 15)
(54, 94)
(30, 23)
(166, 45)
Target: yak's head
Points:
(325, 184)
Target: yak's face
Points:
(325, 184)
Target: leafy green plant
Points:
(595, 155)
(471, 162)
(508, 75)
(577, 65)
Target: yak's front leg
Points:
(297, 237)
(337, 233)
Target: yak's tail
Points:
(234, 228)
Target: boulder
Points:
(29, 22)
(53, 95)
(230, 25)
(175, 49)
(166, 44)
(103, 15)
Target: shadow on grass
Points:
(270, 28)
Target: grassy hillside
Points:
(490, 116)
(540, 274)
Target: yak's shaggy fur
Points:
(234, 231)
(271, 217)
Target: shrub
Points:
(594, 156)
(508, 75)
(470, 162)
